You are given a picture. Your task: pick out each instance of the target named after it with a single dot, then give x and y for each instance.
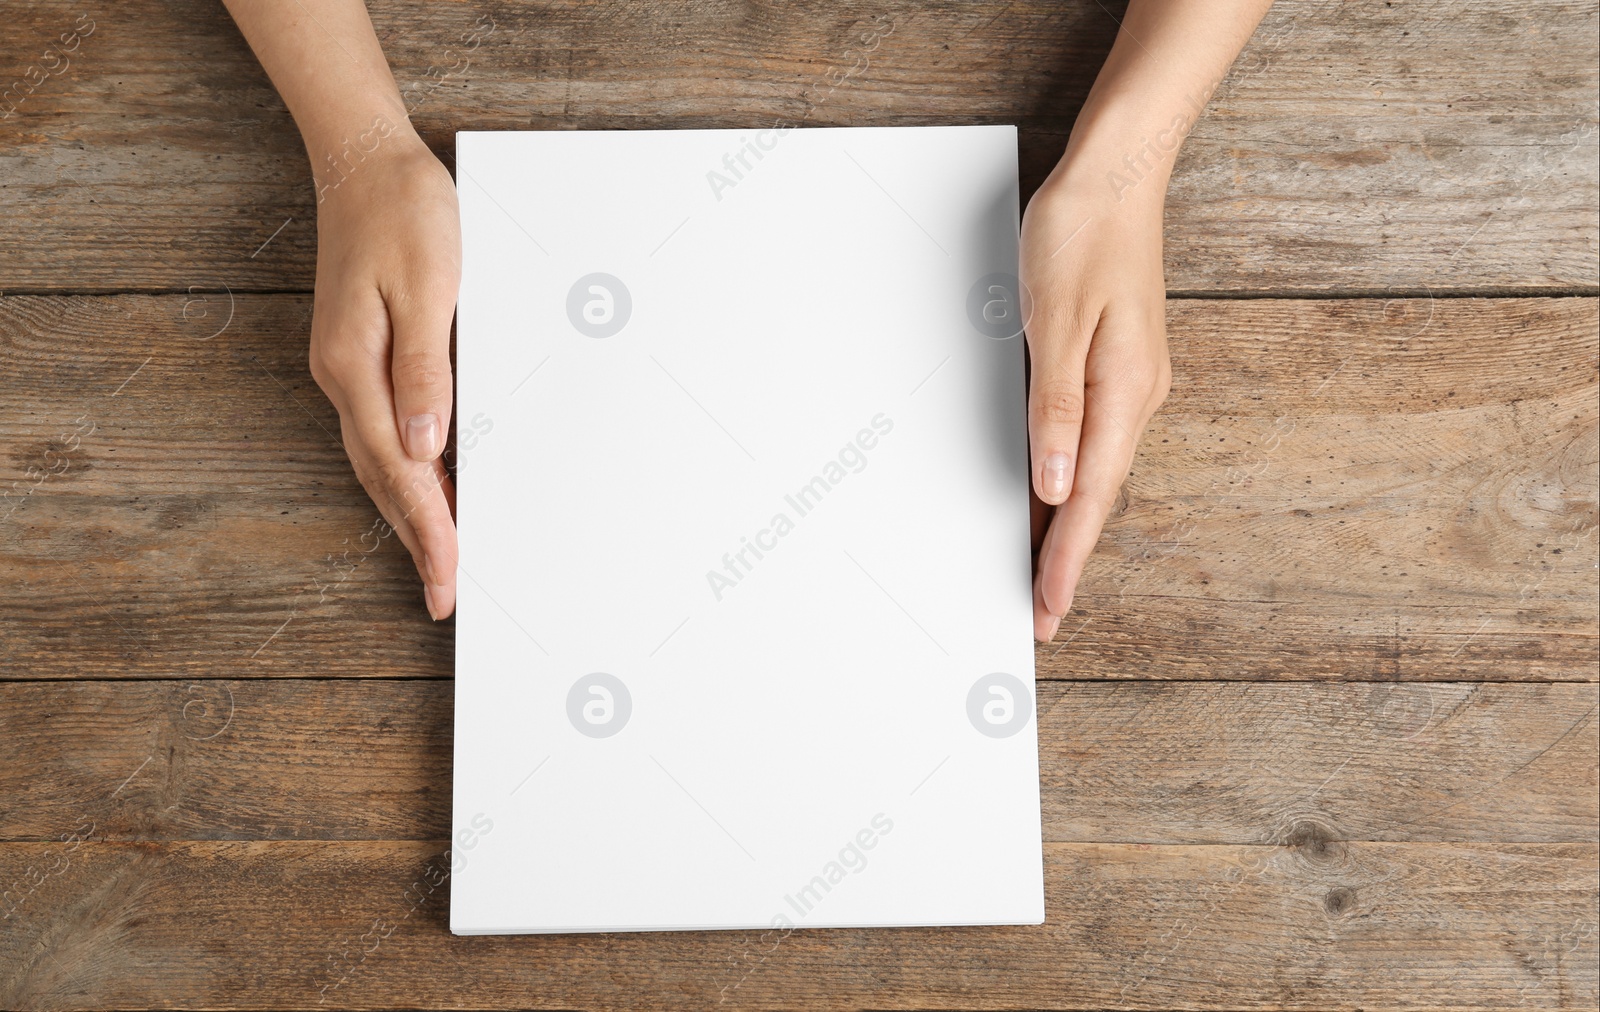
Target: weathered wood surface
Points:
(1365, 489)
(1399, 146)
(1317, 924)
(1147, 762)
(1319, 733)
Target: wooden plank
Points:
(1336, 489)
(1320, 924)
(1152, 762)
(1374, 147)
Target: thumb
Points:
(1056, 402)
(420, 371)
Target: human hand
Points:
(1095, 306)
(388, 271)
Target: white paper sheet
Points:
(743, 633)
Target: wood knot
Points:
(1314, 842)
(1339, 901)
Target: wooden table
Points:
(1320, 731)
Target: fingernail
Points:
(1054, 627)
(1055, 477)
(428, 572)
(422, 436)
(427, 598)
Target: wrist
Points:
(341, 154)
(1122, 151)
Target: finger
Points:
(361, 461)
(1059, 342)
(419, 492)
(1044, 623)
(420, 365)
(1110, 434)
(442, 564)
(345, 333)
(350, 361)
(1039, 514)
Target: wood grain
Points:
(1317, 924)
(1368, 489)
(1373, 147)
(1320, 731)
(1152, 762)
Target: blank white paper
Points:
(744, 625)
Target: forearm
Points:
(325, 61)
(1170, 55)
